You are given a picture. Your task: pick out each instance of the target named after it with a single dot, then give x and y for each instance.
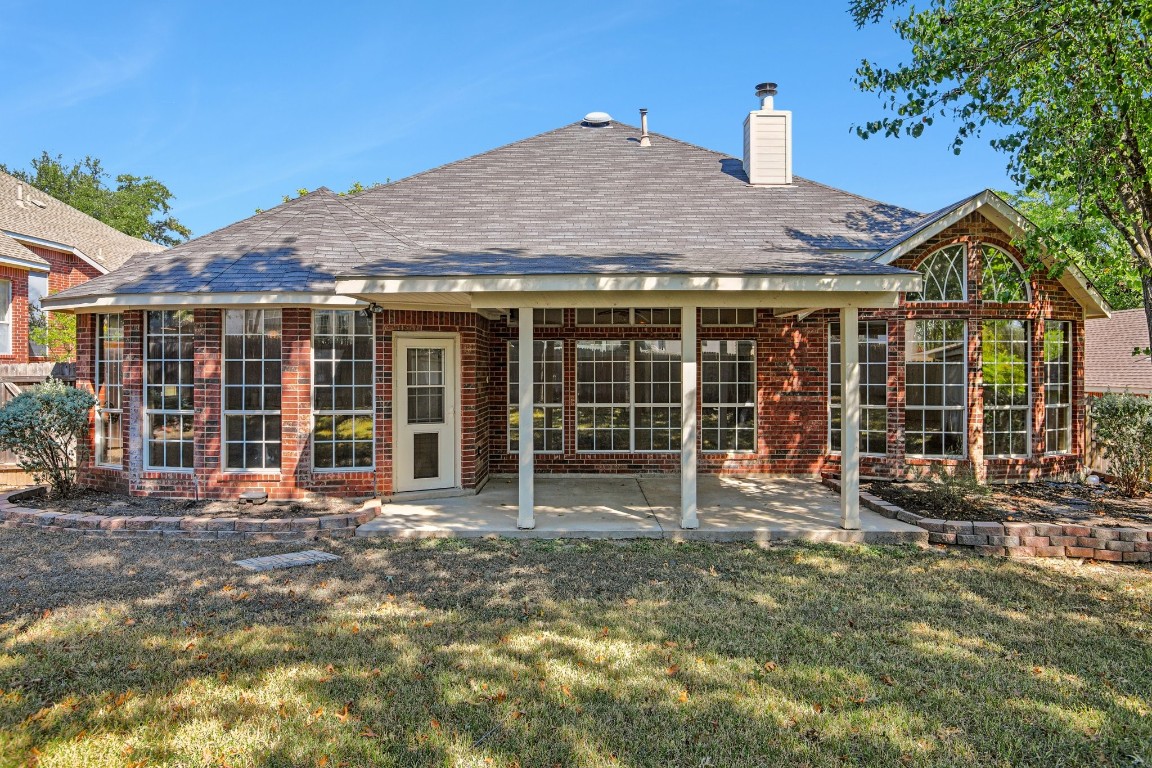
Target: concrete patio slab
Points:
(731, 509)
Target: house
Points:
(1109, 365)
(647, 305)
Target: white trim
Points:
(850, 418)
(982, 244)
(343, 412)
(689, 368)
(526, 458)
(1013, 223)
(181, 300)
(453, 417)
(53, 245)
(31, 266)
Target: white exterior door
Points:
(424, 448)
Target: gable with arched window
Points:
(945, 276)
(1002, 279)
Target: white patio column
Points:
(526, 517)
(849, 418)
(690, 353)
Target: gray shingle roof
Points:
(1109, 364)
(570, 201)
(44, 217)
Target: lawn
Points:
(131, 653)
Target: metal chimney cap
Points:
(597, 118)
(765, 89)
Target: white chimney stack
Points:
(768, 141)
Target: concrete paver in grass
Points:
(287, 560)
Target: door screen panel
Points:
(425, 455)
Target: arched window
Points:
(1003, 281)
(945, 276)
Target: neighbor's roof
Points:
(1109, 365)
(575, 200)
(43, 217)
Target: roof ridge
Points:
(372, 218)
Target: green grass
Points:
(574, 654)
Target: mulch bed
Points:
(1042, 502)
(99, 503)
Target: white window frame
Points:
(908, 342)
(6, 317)
(921, 268)
(630, 406)
(1066, 326)
(548, 317)
(150, 412)
(719, 405)
(984, 248)
(865, 382)
(514, 395)
(1026, 408)
(713, 317)
(244, 384)
(335, 412)
(35, 296)
(673, 316)
(101, 385)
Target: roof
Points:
(1109, 365)
(25, 210)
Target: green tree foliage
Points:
(42, 426)
(1122, 425)
(1061, 85)
(355, 189)
(137, 205)
(55, 331)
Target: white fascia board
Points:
(575, 284)
(1015, 224)
(31, 266)
(739, 299)
(170, 300)
(58, 247)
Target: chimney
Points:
(768, 141)
(645, 139)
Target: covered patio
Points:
(645, 506)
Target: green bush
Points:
(1122, 425)
(42, 426)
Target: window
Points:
(1006, 400)
(550, 316)
(37, 316)
(547, 396)
(624, 316)
(1002, 279)
(5, 317)
(945, 276)
(252, 341)
(711, 316)
(343, 371)
(628, 395)
(936, 398)
(873, 387)
(728, 396)
(168, 387)
(109, 406)
(1058, 387)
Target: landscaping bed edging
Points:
(196, 528)
(1011, 539)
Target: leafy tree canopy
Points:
(137, 205)
(1063, 86)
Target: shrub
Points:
(1122, 425)
(42, 426)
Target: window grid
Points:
(603, 396)
(873, 357)
(656, 395)
(252, 376)
(168, 398)
(547, 396)
(1002, 280)
(109, 390)
(945, 276)
(343, 390)
(728, 396)
(1007, 406)
(540, 317)
(1057, 387)
(936, 388)
(727, 316)
(5, 317)
(625, 316)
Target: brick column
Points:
(296, 397)
(206, 396)
(976, 401)
(133, 395)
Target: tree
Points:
(355, 189)
(1063, 84)
(55, 331)
(137, 205)
(42, 426)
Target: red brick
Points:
(1121, 546)
(1019, 552)
(1077, 530)
(1047, 529)
(1109, 555)
(1034, 541)
(1048, 551)
(1079, 552)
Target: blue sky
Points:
(234, 104)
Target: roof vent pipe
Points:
(645, 139)
(766, 92)
(20, 194)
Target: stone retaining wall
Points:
(1008, 539)
(12, 515)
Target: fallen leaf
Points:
(435, 724)
(887, 680)
(770, 666)
(672, 670)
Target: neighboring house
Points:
(1109, 365)
(646, 304)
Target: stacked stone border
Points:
(12, 515)
(1009, 539)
